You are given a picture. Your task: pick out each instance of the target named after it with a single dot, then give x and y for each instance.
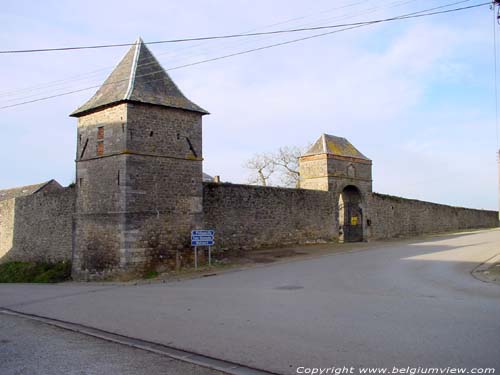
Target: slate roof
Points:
(138, 77)
(22, 191)
(329, 144)
(207, 177)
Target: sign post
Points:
(202, 237)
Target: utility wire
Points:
(495, 64)
(264, 38)
(65, 82)
(357, 25)
(93, 74)
(225, 36)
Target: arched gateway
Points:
(334, 164)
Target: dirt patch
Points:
(267, 256)
(491, 274)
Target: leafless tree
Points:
(287, 160)
(262, 167)
(284, 164)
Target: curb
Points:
(478, 272)
(212, 363)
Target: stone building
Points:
(140, 190)
(334, 164)
(138, 167)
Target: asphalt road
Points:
(31, 348)
(410, 303)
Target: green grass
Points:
(30, 272)
(151, 275)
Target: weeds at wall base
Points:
(31, 272)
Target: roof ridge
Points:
(42, 185)
(131, 81)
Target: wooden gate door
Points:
(353, 224)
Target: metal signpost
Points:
(202, 238)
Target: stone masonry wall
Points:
(7, 209)
(399, 217)
(248, 217)
(37, 227)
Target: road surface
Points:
(33, 348)
(409, 303)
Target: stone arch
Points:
(351, 214)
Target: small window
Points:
(100, 148)
(100, 132)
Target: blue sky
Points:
(415, 96)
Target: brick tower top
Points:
(332, 163)
(138, 77)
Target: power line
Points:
(495, 20)
(230, 36)
(419, 14)
(92, 75)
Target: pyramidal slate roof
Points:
(329, 144)
(138, 77)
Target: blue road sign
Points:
(203, 233)
(202, 237)
(202, 243)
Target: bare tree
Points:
(287, 159)
(262, 167)
(284, 164)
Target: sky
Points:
(415, 96)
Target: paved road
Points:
(31, 348)
(402, 304)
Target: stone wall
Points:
(37, 227)
(248, 217)
(399, 217)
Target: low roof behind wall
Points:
(22, 191)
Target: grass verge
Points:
(30, 272)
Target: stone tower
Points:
(138, 170)
(334, 164)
